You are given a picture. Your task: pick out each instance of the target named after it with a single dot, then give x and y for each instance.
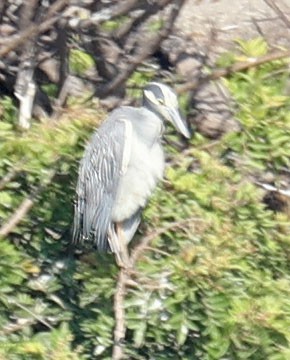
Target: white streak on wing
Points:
(127, 146)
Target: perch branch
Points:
(124, 281)
(120, 328)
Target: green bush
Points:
(215, 282)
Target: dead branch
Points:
(8, 177)
(3, 4)
(16, 217)
(274, 6)
(15, 327)
(24, 208)
(124, 281)
(144, 52)
(122, 8)
(119, 310)
(35, 316)
(12, 42)
(25, 87)
(130, 29)
(224, 72)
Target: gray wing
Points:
(99, 175)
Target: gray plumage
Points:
(121, 166)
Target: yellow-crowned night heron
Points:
(120, 168)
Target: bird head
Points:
(162, 100)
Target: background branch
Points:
(24, 208)
(237, 67)
(144, 52)
(33, 30)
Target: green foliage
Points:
(138, 80)
(215, 284)
(263, 112)
(31, 262)
(253, 48)
(80, 61)
(7, 112)
(155, 25)
(113, 25)
(50, 89)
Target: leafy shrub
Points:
(214, 283)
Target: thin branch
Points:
(23, 208)
(35, 316)
(3, 5)
(124, 281)
(281, 14)
(122, 8)
(12, 42)
(224, 72)
(119, 310)
(11, 328)
(17, 216)
(8, 177)
(145, 242)
(273, 188)
(144, 52)
(130, 28)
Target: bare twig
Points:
(3, 4)
(23, 208)
(124, 281)
(14, 327)
(273, 188)
(64, 79)
(25, 87)
(35, 316)
(122, 8)
(12, 42)
(130, 28)
(17, 216)
(8, 177)
(144, 52)
(240, 66)
(62, 47)
(274, 6)
(120, 328)
(146, 240)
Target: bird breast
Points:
(145, 168)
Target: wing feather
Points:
(99, 175)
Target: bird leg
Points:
(122, 257)
(118, 245)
